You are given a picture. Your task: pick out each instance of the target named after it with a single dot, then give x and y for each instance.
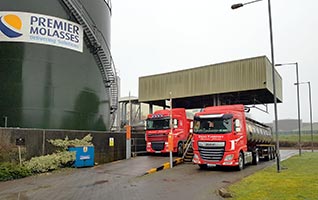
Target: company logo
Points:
(40, 29)
(10, 25)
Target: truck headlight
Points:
(195, 159)
(229, 157)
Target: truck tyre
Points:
(255, 158)
(267, 157)
(240, 162)
(270, 154)
(274, 153)
(203, 166)
(180, 149)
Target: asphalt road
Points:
(123, 180)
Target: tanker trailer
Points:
(259, 140)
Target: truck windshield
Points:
(212, 125)
(158, 124)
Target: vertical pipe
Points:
(171, 129)
(139, 117)
(150, 108)
(298, 105)
(5, 121)
(130, 111)
(43, 142)
(20, 157)
(128, 137)
(274, 83)
(311, 129)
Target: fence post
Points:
(43, 142)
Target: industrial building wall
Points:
(45, 86)
(234, 76)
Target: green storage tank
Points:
(56, 70)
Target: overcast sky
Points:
(151, 37)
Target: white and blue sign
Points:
(41, 29)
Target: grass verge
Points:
(298, 180)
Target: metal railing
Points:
(187, 145)
(109, 4)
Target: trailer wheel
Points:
(270, 154)
(274, 153)
(180, 149)
(268, 157)
(240, 162)
(255, 158)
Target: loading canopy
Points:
(247, 81)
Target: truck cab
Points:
(158, 129)
(219, 136)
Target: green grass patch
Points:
(299, 181)
(295, 137)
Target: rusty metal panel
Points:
(242, 75)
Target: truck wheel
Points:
(180, 149)
(203, 166)
(255, 158)
(267, 157)
(240, 162)
(274, 153)
(270, 154)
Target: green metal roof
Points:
(247, 81)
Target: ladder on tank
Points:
(188, 150)
(99, 48)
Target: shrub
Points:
(50, 162)
(64, 144)
(9, 171)
(8, 151)
(61, 158)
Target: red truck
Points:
(224, 136)
(158, 129)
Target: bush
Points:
(8, 151)
(61, 158)
(9, 171)
(64, 144)
(50, 162)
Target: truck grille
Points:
(211, 153)
(157, 146)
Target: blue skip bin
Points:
(84, 156)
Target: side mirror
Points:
(237, 125)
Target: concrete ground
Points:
(124, 180)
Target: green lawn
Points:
(295, 137)
(298, 180)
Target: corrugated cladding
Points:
(241, 75)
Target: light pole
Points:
(310, 110)
(235, 6)
(298, 102)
